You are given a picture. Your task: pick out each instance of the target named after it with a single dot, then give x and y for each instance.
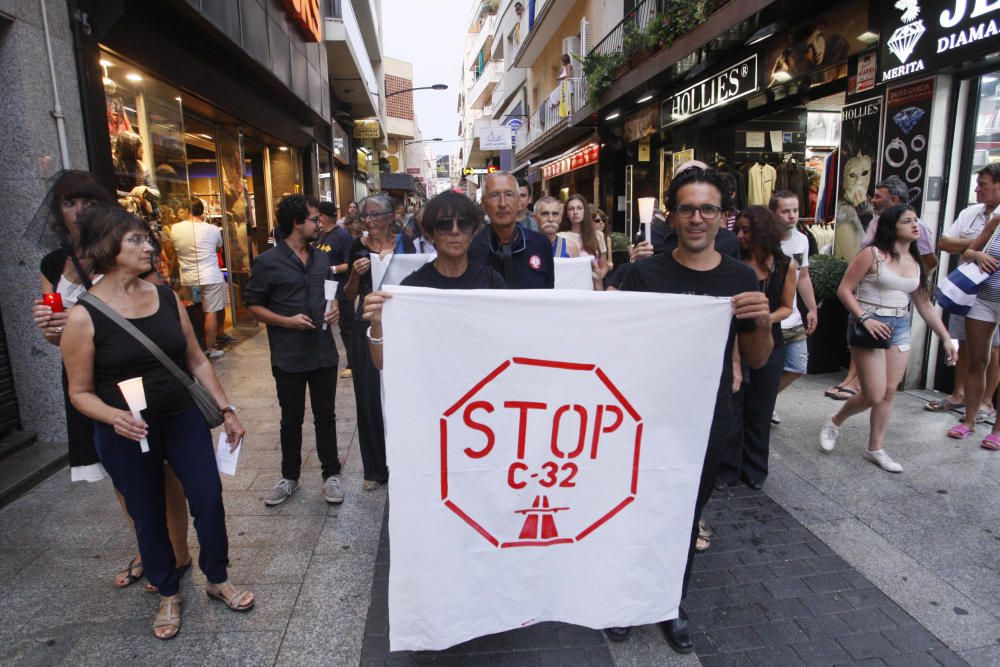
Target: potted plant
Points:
(619, 248)
(828, 351)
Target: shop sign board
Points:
(443, 166)
(584, 157)
(921, 36)
(712, 92)
(860, 146)
(472, 171)
(514, 124)
(305, 14)
(867, 73)
(341, 143)
(367, 129)
(907, 126)
(495, 138)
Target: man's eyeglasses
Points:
(371, 216)
(445, 225)
(497, 196)
(314, 218)
(708, 212)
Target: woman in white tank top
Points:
(877, 289)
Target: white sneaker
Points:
(775, 419)
(332, 491)
(214, 354)
(881, 458)
(828, 436)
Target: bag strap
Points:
(130, 328)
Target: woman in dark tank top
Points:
(99, 354)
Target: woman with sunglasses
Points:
(603, 232)
(376, 213)
(450, 220)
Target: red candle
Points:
(54, 301)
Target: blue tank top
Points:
(559, 248)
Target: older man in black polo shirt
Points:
(286, 293)
(521, 256)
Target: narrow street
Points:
(835, 562)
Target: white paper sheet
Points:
(224, 459)
(496, 526)
(391, 269)
(755, 139)
(573, 273)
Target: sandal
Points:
(370, 485)
(944, 405)
(983, 416)
(960, 431)
(702, 544)
(128, 572)
(168, 616)
(844, 394)
(991, 442)
(231, 601)
(181, 571)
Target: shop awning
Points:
(397, 182)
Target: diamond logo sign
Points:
(904, 39)
(907, 119)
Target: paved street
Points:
(835, 562)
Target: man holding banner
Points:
(697, 200)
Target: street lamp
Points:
(436, 86)
(422, 141)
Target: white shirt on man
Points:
(196, 243)
(969, 224)
(795, 247)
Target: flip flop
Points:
(833, 391)
(944, 405)
(840, 396)
(134, 564)
(960, 431)
(991, 442)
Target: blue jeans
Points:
(185, 442)
(900, 329)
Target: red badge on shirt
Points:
(535, 262)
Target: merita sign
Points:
(712, 92)
(920, 36)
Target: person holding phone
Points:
(286, 292)
(67, 274)
(877, 289)
(99, 353)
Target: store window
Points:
(987, 142)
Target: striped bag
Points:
(958, 290)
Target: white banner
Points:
(574, 273)
(391, 269)
(538, 473)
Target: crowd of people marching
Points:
(129, 323)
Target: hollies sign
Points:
(920, 36)
(712, 92)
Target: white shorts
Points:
(213, 297)
(985, 311)
(956, 328)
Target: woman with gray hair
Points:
(376, 213)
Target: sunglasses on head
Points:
(445, 225)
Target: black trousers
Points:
(185, 442)
(717, 443)
(322, 383)
(368, 398)
(750, 441)
(346, 325)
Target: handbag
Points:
(959, 289)
(204, 401)
(858, 335)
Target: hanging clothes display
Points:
(761, 178)
(793, 177)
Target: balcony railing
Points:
(487, 79)
(622, 38)
(548, 118)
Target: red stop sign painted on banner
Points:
(540, 452)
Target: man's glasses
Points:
(372, 216)
(708, 212)
(445, 225)
(314, 218)
(497, 196)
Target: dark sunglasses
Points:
(445, 225)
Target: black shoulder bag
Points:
(202, 398)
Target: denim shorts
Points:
(900, 329)
(796, 357)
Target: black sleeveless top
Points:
(773, 285)
(118, 356)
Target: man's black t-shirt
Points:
(663, 273)
(476, 276)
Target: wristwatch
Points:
(228, 408)
(866, 316)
